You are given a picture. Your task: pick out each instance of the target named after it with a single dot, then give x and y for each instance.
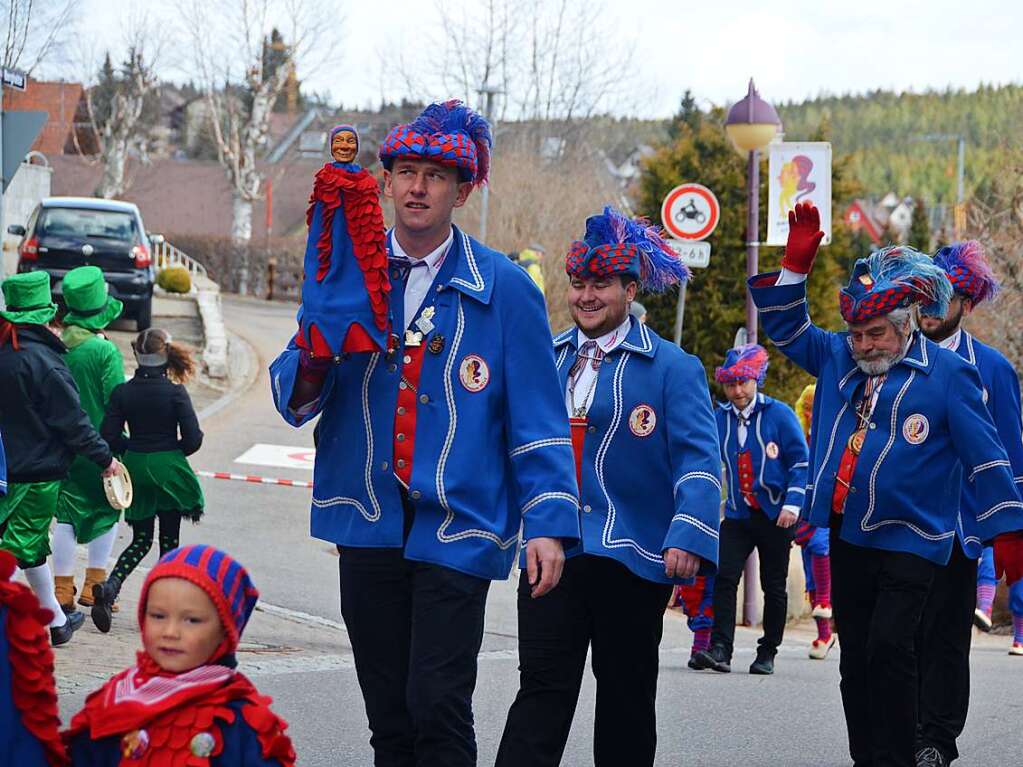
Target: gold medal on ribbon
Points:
(856, 440)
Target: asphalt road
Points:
(793, 718)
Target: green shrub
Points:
(174, 279)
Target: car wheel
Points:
(144, 318)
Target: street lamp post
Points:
(487, 92)
(752, 124)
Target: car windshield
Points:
(83, 223)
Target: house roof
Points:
(184, 197)
(61, 101)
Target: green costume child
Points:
(44, 427)
(83, 513)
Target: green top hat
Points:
(89, 304)
(28, 299)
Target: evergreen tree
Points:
(715, 300)
(102, 94)
(920, 229)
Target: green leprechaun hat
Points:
(28, 299)
(88, 299)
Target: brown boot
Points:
(93, 575)
(64, 587)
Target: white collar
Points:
(748, 410)
(433, 259)
(952, 342)
(609, 341)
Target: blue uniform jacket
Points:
(492, 447)
(930, 433)
(650, 467)
(1001, 394)
(777, 481)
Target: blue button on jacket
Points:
(492, 447)
(930, 433)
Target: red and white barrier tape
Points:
(254, 479)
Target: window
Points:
(82, 223)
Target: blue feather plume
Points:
(902, 265)
(453, 116)
(659, 266)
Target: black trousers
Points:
(878, 598)
(599, 603)
(943, 654)
(416, 630)
(738, 539)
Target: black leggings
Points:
(142, 541)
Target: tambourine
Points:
(118, 489)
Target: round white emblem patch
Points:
(642, 420)
(771, 449)
(474, 373)
(915, 428)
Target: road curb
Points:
(243, 371)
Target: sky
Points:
(794, 50)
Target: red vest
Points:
(578, 439)
(745, 464)
(405, 415)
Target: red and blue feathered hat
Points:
(616, 244)
(447, 132)
(968, 270)
(224, 580)
(893, 278)
(743, 363)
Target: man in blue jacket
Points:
(902, 425)
(432, 456)
(943, 644)
(765, 458)
(648, 481)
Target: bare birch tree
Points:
(119, 125)
(241, 82)
(540, 54)
(35, 31)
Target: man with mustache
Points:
(943, 644)
(433, 455)
(648, 481)
(901, 424)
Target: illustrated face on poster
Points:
(798, 172)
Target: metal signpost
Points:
(690, 213)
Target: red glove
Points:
(1009, 556)
(805, 237)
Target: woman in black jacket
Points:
(163, 429)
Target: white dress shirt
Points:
(420, 279)
(744, 415)
(952, 342)
(585, 379)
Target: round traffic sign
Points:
(690, 212)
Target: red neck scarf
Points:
(140, 694)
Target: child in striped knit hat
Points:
(183, 702)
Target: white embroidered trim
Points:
(834, 431)
(369, 439)
(801, 464)
(533, 502)
(701, 526)
(697, 475)
(800, 490)
(763, 464)
(470, 259)
(795, 335)
(442, 497)
(985, 466)
(606, 540)
(784, 307)
(538, 444)
(648, 343)
(999, 507)
(339, 500)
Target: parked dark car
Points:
(65, 232)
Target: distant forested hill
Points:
(882, 132)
